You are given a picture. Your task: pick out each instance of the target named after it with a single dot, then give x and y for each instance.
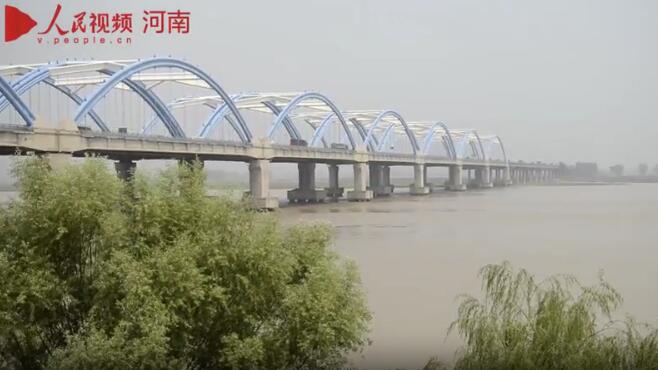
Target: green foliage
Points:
(553, 324)
(152, 274)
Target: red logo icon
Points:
(17, 23)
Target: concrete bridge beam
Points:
(259, 185)
(360, 192)
(306, 191)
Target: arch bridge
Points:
(167, 108)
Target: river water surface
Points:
(417, 254)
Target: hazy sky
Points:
(558, 80)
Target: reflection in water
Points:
(416, 254)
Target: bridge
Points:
(166, 108)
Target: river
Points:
(417, 254)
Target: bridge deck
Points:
(135, 147)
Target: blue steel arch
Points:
(397, 116)
(315, 128)
(287, 122)
(148, 127)
(502, 147)
(427, 141)
(42, 74)
(479, 146)
(322, 128)
(156, 104)
(363, 133)
(477, 136)
(16, 102)
(309, 96)
(124, 75)
(218, 116)
(220, 113)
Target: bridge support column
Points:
(386, 173)
(427, 180)
(306, 191)
(360, 192)
(259, 185)
(507, 179)
(378, 180)
(191, 162)
(125, 169)
(455, 182)
(483, 177)
(519, 176)
(58, 160)
(419, 187)
(334, 191)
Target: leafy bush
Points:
(152, 274)
(553, 324)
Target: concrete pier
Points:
(419, 187)
(360, 192)
(306, 191)
(455, 182)
(125, 169)
(483, 177)
(58, 160)
(259, 185)
(334, 191)
(379, 180)
(387, 178)
(507, 178)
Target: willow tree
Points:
(557, 323)
(152, 274)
